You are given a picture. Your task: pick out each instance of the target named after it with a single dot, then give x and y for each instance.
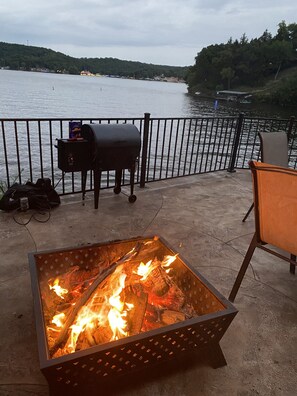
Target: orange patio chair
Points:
(275, 199)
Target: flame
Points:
(167, 261)
(144, 269)
(106, 308)
(60, 291)
(117, 315)
(85, 319)
(59, 319)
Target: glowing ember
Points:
(60, 291)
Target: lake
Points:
(47, 95)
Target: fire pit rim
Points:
(44, 358)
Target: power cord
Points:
(41, 211)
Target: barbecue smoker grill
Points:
(104, 147)
(113, 147)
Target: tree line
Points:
(250, 65)
(24, 57)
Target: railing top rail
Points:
(267, 118)
(73, 118)
(247, 118)
(193, 118)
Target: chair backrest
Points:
(274, 148)
(275, 197)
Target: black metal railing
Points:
(171, 147)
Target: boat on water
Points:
(234, 96)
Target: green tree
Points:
(227, 74)
(243, 62)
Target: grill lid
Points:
(112, 135)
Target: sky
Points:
(163, 32)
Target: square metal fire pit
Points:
(203, 331)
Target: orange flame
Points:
(117, 315)
(60, 291)
(107, 308)
(86, 319)
(167, 261)
(59, 319)
(144, 269)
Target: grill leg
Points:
(132, 173)
(83, 184)
(118, 181)
(97, 183)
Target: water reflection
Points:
(196, 106)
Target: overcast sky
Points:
(167, 32)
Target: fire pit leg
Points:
(216, 356)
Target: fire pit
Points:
(109, 309)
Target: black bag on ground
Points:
(41, 195)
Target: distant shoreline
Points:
(159, 79)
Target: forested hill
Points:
(24, 57)
(256, 66)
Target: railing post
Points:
(236, 143)
(291, 123)
(144, 148)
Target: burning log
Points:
(174, 299)
(169, 317)
(160, 281)
(61, 339)
(85, 340)
(136, 315)
(102, 335)
(151, 319)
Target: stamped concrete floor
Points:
(200, 217)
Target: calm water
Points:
(42, 95)
(30, 95)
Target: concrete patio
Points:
(200, 217)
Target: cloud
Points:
(167, 32)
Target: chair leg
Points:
(243, 268)
(248, 212)
(292, 266)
